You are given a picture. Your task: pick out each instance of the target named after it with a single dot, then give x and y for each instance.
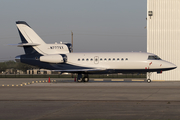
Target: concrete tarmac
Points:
(91, 101)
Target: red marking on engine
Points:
(160, 64)
(150, 63)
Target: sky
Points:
(97, 25)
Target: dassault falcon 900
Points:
(58, 57)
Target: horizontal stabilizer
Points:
(27, 44)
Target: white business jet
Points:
(58, 57)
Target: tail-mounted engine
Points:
(62, 58)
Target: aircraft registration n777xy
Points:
(58, 57)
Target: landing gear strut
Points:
(82, 78)
(149, 75)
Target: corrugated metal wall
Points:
(163, 35)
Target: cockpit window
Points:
(153, 57)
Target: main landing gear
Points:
(149, 75)
(83, 78)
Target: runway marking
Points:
(117, 79)
(2, 85)
(136, 80)
(98, 79)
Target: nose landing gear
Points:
(149, 75)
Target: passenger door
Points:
(96, 60)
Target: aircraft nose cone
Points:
(18, 58)
(172, 66)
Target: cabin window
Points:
(87, 59)
(105, 59)
(113, 58)
(83, 59)
(122, 59)
(78, 59)
(117, 58)
(100, 59)
(109, 58)
(126, 58)
(91, 59)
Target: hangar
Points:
(163, 35)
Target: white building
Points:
(163, 34)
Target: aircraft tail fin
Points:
(33, 44)
(28, 37)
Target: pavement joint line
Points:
(98, 79)
(117, 79)
(136, 80)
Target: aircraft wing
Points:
(80, 70)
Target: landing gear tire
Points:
(86, 79)
(83, 79)
(148, 80)
(80, 80)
